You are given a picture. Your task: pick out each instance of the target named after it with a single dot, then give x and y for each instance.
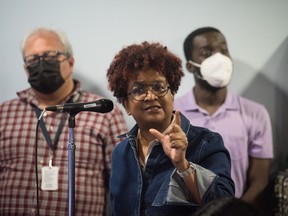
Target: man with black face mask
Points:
(48, 61)
(45, 76)
(244, 125)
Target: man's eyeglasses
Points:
(49, 57)
(139, 92)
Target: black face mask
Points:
(45, 77)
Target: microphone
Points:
(102, 106)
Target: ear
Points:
(126, 107)
(172, 95)
(190, 67)
(26, 70)
(71, 61)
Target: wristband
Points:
(187, 172)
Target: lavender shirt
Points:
(244, 125)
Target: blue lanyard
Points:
(51, 145)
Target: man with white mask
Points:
(244, 125)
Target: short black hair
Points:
(188, 42)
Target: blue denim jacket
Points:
(159, 190)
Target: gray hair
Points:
(63, 38)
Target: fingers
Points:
(178, 140)
(175, 145)
(176, 126)
(157, 134)
(173, 132)
(177, 118)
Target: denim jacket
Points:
(159, 190)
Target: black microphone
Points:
(102, 106)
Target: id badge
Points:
(49, 178)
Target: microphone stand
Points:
(71, 165)
(102, 106)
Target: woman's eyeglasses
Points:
(139, 91)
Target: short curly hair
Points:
(139, 57)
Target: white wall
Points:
(256, 31)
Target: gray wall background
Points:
(256, 31)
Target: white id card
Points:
(50, 178)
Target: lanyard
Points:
(45, 132)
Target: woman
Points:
(165, 166)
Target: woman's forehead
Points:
(146, 76)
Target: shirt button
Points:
(33, 210)
(90, 172)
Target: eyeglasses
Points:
(139, 92)
(49, 57)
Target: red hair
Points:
(139, 57)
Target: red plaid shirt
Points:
(17, 151)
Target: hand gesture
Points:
(174, 142)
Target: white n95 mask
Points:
(216, 70)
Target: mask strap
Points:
(194, 63)
(199, 66)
